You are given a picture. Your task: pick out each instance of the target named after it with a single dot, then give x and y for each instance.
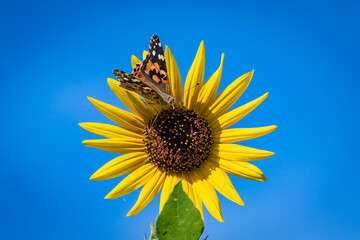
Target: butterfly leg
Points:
(154, 120)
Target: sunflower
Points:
(187, 142)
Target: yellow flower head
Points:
(188, 141)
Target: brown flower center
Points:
(177, 140)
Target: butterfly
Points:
(149, 78)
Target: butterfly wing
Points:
(149, 79)
(153, 68)
(132, 83)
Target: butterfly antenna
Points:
(192, 87)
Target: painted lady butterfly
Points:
(149, 79)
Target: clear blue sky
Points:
(305, 53)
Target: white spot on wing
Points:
(161, 57)
(153, 52)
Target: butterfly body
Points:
(149, 79)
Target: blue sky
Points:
(56, 53)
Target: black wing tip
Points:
(154, 40)
(155, 44)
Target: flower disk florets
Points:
(177, 140)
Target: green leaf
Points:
(179, 219)
(153, 232)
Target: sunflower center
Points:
(177, 140)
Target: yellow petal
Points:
(173, 75)
(110, 131)
(117, 145)
(235, 152)
(187, 187)
(220, 181)
(133, 181)
(194, 79)
(120, 166)
(228, 97)
(131, 100)
(198, 202)
(144, 54)
(241, 169)
(236, 114)
(169, 184)
(119, 116)
(208, 91)
(241, 134)
(189, 190)
(207, 194)
(148, 192)
(134, 61)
